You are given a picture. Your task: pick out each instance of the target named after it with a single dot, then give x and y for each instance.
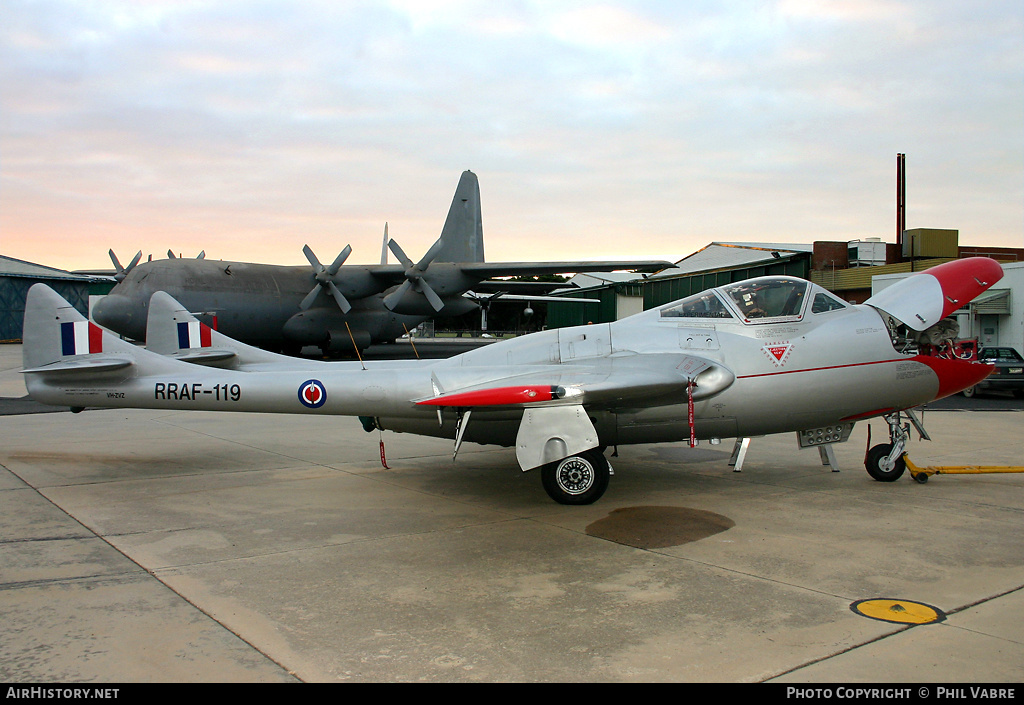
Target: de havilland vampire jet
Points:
(331, 306)
(761, 356)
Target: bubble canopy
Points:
(756, 301)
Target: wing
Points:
(630, 383)
(488, 270)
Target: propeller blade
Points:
(384, 246)
(342, 302)
(393, 246)
(122, 272)
(323, 276)
(312, 258)
(339, 260)
(310, 298)
(393, 299)
(431, 295)
(431, 254)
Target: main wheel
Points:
(874, 464)
(578, 479)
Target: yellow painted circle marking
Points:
(898, 611)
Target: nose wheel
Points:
(881, 466)
(885, 461)
(578, 479)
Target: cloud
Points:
(250, 128)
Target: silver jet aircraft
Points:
(337, 305)
(761, 356)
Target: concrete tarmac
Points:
(161, 546)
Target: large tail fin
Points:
(58, 340)
(173, 331)
(463, 232)
(56, 336)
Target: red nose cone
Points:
(955, 375)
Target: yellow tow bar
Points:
(921, 474)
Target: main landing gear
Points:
(578, 479)
(885, 462)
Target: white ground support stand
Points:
(820, 438)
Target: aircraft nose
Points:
(118, 313)
(955, 375)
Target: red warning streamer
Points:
(689, 413)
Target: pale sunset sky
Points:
(598, 129)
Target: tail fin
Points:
(174, 332)
(57, 338)
(463, 232)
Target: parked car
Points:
(1008, 375)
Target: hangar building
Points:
(17, 276)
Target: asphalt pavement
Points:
(144, 546)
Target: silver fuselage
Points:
(803, 372)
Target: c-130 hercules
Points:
(331, 306)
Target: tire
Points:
(873, 463)
(577, 480)
(970, 392)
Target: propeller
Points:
(201, 255)
(414, 277)
(122, 272)
(324, 279)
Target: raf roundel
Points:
(312, 394)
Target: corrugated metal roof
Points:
(723, 255)
(10, 267)
(588, 279)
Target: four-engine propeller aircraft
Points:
(331, 306)
(761, 356)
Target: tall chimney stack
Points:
(901, 198)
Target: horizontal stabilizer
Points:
(204, 356)
(81, 364)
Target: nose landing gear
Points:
(885, 462)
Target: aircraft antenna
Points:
(415, 351)
(356, 347)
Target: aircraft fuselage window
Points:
(823, 303)
(703, 305)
